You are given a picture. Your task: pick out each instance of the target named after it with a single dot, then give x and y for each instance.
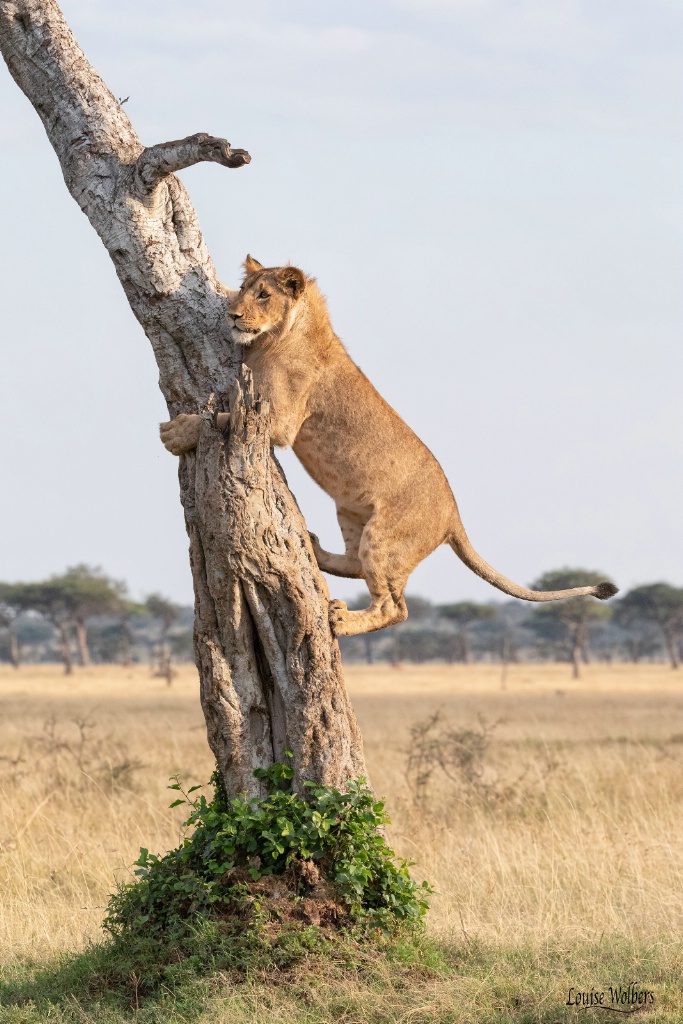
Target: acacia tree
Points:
(53, 601)
(657, 604)
(67, 602)
(88, 592)
(571, 616)
(270, 671)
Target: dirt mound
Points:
(300, 894)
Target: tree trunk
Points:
(505, 660)
(126, 643)
(164, 669)
(270, 671)
(576, 653)
(82, 641)
(671, 645)
(582, 641)
(65, 644)
(465, 646)
(14, 651)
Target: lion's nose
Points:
(236, 316)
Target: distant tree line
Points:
(84, 616)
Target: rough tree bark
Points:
(270, 671)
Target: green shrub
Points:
(323, 842)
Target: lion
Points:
(394, 504)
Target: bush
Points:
(320, 858)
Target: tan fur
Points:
(394, 504)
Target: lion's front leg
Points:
(181, 434)
(347, 565)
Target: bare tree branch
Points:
(158, 161)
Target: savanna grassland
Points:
(546, 812)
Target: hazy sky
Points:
(490, 193)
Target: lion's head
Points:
(264, 305)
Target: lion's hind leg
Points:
(383, 611)
(387, 588)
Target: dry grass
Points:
(575, 831)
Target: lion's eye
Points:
(263, 295)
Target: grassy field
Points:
(554, 839)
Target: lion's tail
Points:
(460, 543)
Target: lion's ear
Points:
(251, 265)
(292, 280)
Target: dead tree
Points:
(270, 671)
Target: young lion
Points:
(394, 504)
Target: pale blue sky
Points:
(491, 196)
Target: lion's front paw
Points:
(181, 434)
(337, 612)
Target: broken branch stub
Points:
(157, 162)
